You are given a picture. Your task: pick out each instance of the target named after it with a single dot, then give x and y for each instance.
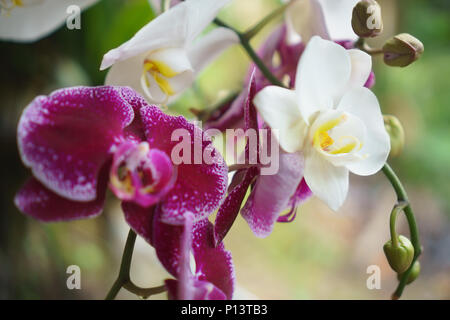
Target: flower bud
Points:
(415, 271)
(399, 256)
(402, 50)
(395, 130)
(366, 19)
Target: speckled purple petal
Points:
(139, 219)
(271, 194)
(202, 290)
(213, 264)
(199, 188)
(44, 205)
(66, 137)
(229, 210)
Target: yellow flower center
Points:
(160, 72)
(323, 140)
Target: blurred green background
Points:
(321, 255)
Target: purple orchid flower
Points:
(77, 141)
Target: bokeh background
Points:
(322, 254)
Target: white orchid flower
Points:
(330, 118)
(162, 59)
(31, 20)
(329, 19)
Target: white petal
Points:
(361, 68)
(36, 19)
(168, 30)
(322, 75)
(338, 17)
(327, 182)
(174, 58)
(210, 46)
(362, 103)
(200, 14)
(127, 73)
(306, 19)
(279, 109)
(177, 27)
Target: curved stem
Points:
(125, 265)
(261, 24)
(362, 45)
(143, 292)
(123, 279)
(413, 230)
(397, 208)
(248, 48)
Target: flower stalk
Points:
(123, 279)
(245, 43)
(413, 230)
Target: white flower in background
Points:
(31, 20)
(162, 59)
(329, 19)
(330, 118)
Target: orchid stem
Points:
(397, 208)
(123, 279)
(261, 24)
(362, 45)
(245, 43)
(402, 198)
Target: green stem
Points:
(248, 48)
(125, 265)
(362, 45)
(123, 279)
(397, 208)
(143, 292)
(413, 230)
(261, 24)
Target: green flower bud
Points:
(402, 50)
(399, 256)
(395, 130)
(366, 19)
(413, 274)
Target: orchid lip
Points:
(141, 174)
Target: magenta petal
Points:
(230, 208)
(200, 187)
(44, 205)
(166, 240)
(229, 115)
(139, 219)
(271, 194)
(66, 137)
(213, 264)
(202, 290)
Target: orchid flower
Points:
(162, 59)
(281, 58)
(329, 19)
(77, 141)
(330, 118)
(31, 20)
(270, 194)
